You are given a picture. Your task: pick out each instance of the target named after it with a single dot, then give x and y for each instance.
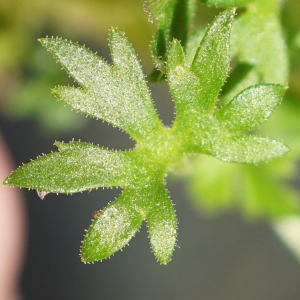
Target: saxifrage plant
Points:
(119, 95)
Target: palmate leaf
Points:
(119, 95)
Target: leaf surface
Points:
(118, 94)
(162, 225)
(211, 62)
(226, 3)
(251, 107)
(247, 149)
(154, 8)
(77, 167)
(174, 23)
(112, 229)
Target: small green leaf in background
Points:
(192, 44)
(254, 191)
(175, 22)
(257, 39)
(77, 167)
(118, 94)
(154, 8)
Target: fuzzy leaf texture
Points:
(119, 95)
(154, 8)
(257, 39)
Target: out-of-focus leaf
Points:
(257, 39)
(162, 226)
(266, 198)
(192, 44)
(154, 8)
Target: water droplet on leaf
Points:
(41, 194)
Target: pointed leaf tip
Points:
(251, 107)
(212, 60)
(153, 8)
(162, 225)
(112, 229)
(77, 167)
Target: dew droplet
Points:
(41, 194)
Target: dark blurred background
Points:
(219, 257)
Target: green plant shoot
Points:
(119, 95)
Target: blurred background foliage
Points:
(265, 48)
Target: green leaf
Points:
(179, 78)
(154, 8)
(247, 149)
(162, 226)
(266, 198)
(255, 191)
(240, 78)
(257, 39)
(211, 62)
(112, 229)
(193, 42)
(175, 22)
(196, 89)
(118, 94)
(205, 174)
(78, 167)
(251, 107)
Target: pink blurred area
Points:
(12, 231)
